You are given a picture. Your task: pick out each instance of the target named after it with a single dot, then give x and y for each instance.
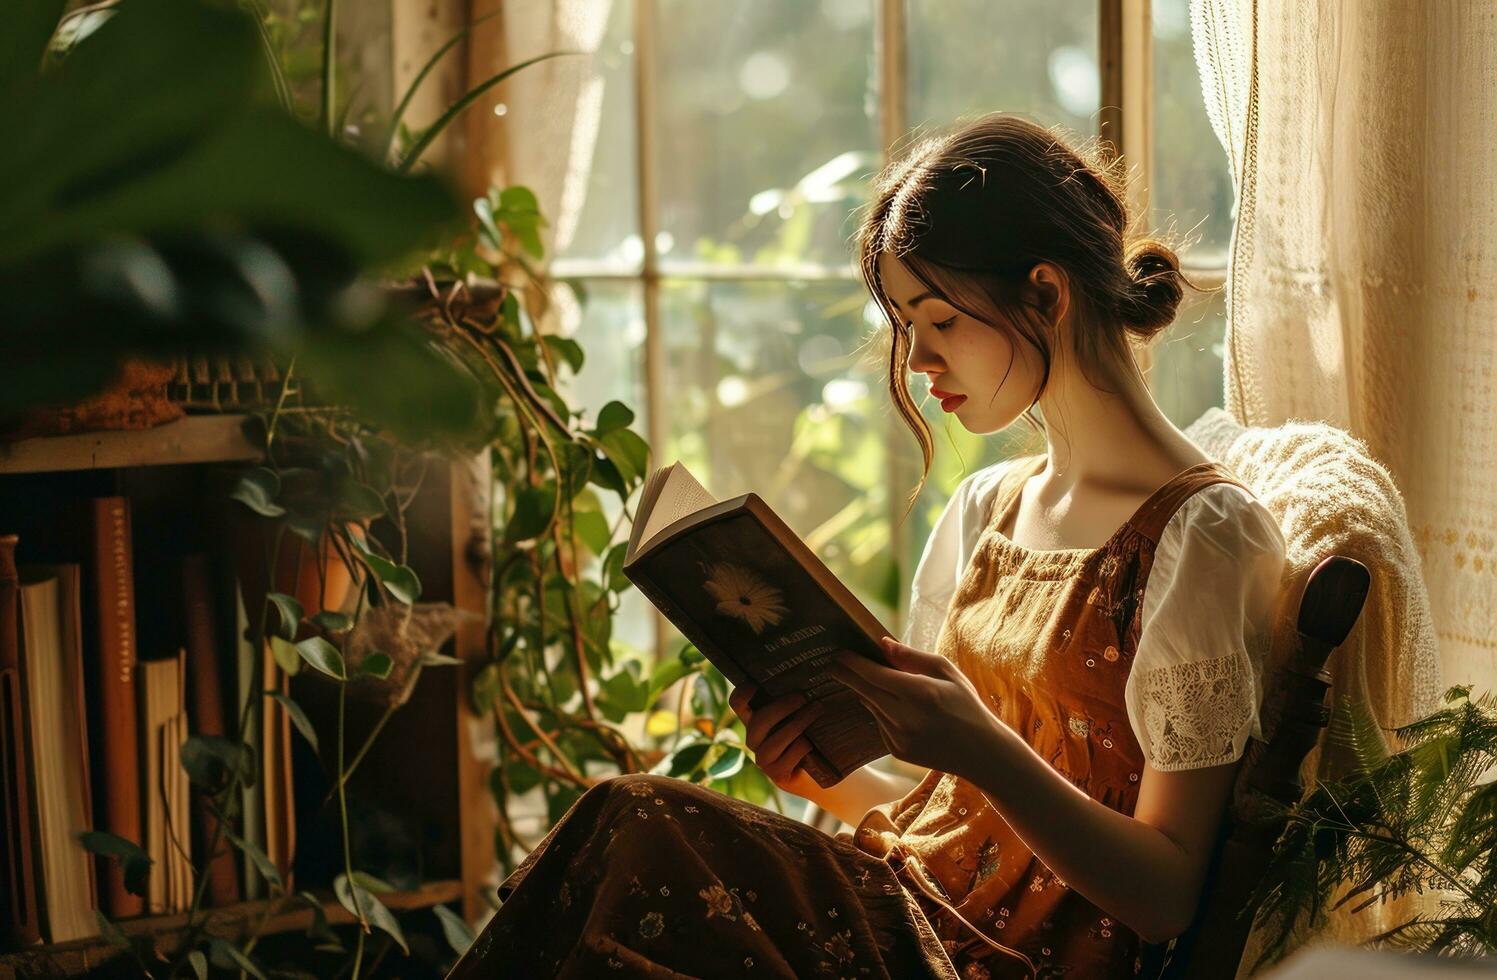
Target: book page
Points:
(680, 494)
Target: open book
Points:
(742, 586)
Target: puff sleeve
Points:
(1194, 692)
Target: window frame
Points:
(1125, 123)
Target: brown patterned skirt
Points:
(650, 876)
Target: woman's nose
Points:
(922, 358)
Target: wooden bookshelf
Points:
(426, 763)
(193, 439)
(232, 922)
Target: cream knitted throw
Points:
(1331, 497)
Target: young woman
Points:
(1095, 617)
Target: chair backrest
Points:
(1295, 711)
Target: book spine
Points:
(207, 716)
(114, 597)
(20, 919)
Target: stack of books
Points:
(92, 731)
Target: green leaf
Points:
(287, 657)
(667, 672)
(629, 452)
(685, 759)
(567, 349)
(377, 665)
(614, 415)
(401, 580)
(593, 530)
(323, 656)
(226, 956)
(298, 717)
(135, 862)
(318, 928)
(257, 490)
(262, 861)
(376, 885)
(534, 507)
(357, 501)
(199, 963)
(520, 777)
(728, 763)
(210, 761)
(613, 567)
(332, 622)
(374, 911)
(289, 612)
(439, 660)
(458, 933)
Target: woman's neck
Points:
(1118, 440)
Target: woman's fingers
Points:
(739, 701)
(782, 769)
(757, 728)
(781, 738)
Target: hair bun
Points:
(1154, 298)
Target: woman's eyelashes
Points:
(910, 325)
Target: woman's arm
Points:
(1147, 869)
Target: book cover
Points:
(760, 605)
(112, 634)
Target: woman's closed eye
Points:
(944, 324)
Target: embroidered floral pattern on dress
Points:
(651, 925)
(1079, 726)
(719, 902)
(1194, 711)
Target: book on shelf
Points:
(759, 604)
(20, 912)
(163, 728)
(207, 711)
(110, 625)
(50, 780)
(252, 792)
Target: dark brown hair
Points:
(971, 212)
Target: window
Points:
(712, 255)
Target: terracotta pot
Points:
(300, 569)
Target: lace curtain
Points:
(1362, 278)
(1362, 281)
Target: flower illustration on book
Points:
(743, 595)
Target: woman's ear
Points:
(1048, 289)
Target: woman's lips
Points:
(948, 400)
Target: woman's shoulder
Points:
(1225, 519)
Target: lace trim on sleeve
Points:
(1197, 713)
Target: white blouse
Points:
(1195, 688)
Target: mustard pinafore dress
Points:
(1047, 638)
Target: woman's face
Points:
(959, 355)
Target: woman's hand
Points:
(775, 735)
(928, 711)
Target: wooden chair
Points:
(1269, 779)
